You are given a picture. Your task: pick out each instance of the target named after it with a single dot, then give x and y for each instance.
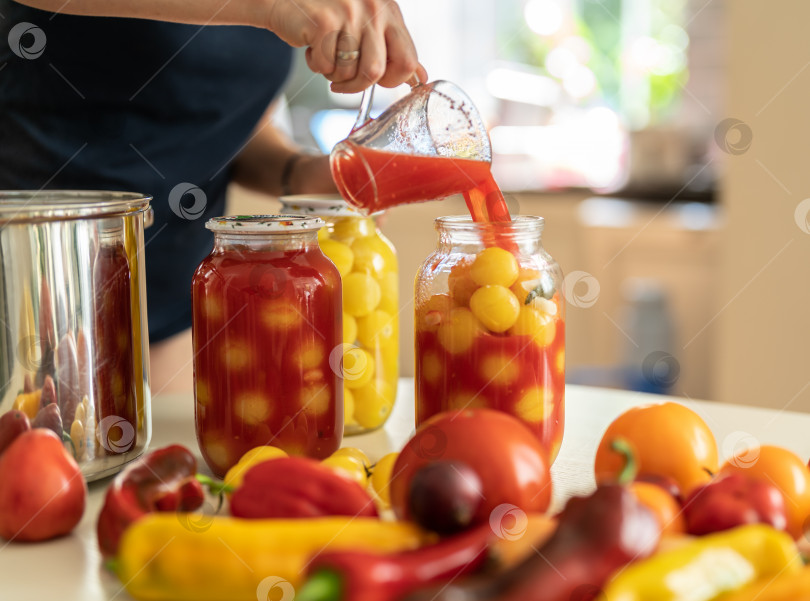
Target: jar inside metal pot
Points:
(74, 347)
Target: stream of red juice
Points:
(375, 180)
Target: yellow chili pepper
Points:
(707, 567)
(206, 558)
(789, 586)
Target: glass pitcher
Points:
(428, 145)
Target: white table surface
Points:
(70, 568)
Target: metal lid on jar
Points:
(325, 205)
(264, 224)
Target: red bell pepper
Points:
(297, 487)
(362, 576)
(732, 501)
(162, 480)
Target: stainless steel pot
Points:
(74, 352)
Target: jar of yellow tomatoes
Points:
(490, 326)
(368, 267)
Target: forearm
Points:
(261, 164)
(200, 12)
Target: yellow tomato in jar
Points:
(372, 255)
(349, 228)
(348, 406)
(460, 283)
(458, 333)
(536, 324)
(389, 290)
(358, 368)
(434, 312)
(376, 329)
(361, 294)
(495, 306)
(373, 403)
(349, 328)
(340, 254)
(494, 266)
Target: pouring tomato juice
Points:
(461, 362)
(375, 180)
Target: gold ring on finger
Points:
(347, 55)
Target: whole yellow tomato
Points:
(782, 468)
(667, 439)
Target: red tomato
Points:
(785, 470)
(43, 492)
(510, 461)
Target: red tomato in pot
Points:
(43, 492)
(510, 461)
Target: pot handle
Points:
(148, 217)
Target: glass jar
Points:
(367, 263)
(266, 323)
(489, 328)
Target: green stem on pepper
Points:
(216, 487)
(323, 585)
(630, 469)
(112, 565)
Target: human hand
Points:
(353, 43)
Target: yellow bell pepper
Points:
(213, 558)
(707, 567)
(789, 586)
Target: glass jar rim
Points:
(264, 224)
(35, 206)
(323, 205)
(464, 223)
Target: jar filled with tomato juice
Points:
(266, 328)
(368, 266)
(490, 326)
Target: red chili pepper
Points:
(297, 487)
(595, 536)
(361, 576)
(162, 480)
(732, 501)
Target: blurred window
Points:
(559, 82)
